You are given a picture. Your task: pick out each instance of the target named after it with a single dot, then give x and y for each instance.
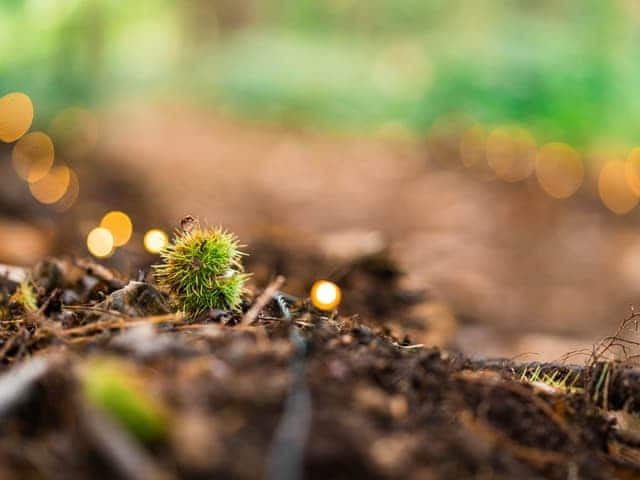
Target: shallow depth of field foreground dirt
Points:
(106, 380)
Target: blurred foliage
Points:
(567, 69)
(110, 386)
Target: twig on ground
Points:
(262, 301)
(102, 273)
(10, 342)
(604, 345)
(122, 322)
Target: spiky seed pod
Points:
(202, 269)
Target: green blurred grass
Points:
(568, 70)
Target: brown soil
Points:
(323, 396)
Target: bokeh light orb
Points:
(614, 190)
(52, 187)
(325, 295)
(32, 156)
(69, 198)
(511, 153)
(16, 116)
(120, 226)
(559, 170)
(100, 242)
(632, 170)
(155, 240)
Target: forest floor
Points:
(101, 378)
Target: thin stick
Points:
(262, 301)
(122, 323)
(10, 342)
(94, 309)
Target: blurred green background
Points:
(568, 70)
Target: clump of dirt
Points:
(106, 380)
(371, 280)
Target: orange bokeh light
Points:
(120, 226)
(632, 170)
(511, 153)
(52, 187)
(16, 116)
(559, 170)
(71, 195)
(614, 190)
(155, 240)
(100, 242)
(325, 295)
(32, 156)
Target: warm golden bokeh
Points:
(33, 156)
(75, 131)
(52, 187)
(16, 116)
(155, 240)
(559, 170)
(100, 242)
(632, 170)
(325, 295)
(120, 226)
(511, 153)
(68, 200)
(472, 147)
(614, 190)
